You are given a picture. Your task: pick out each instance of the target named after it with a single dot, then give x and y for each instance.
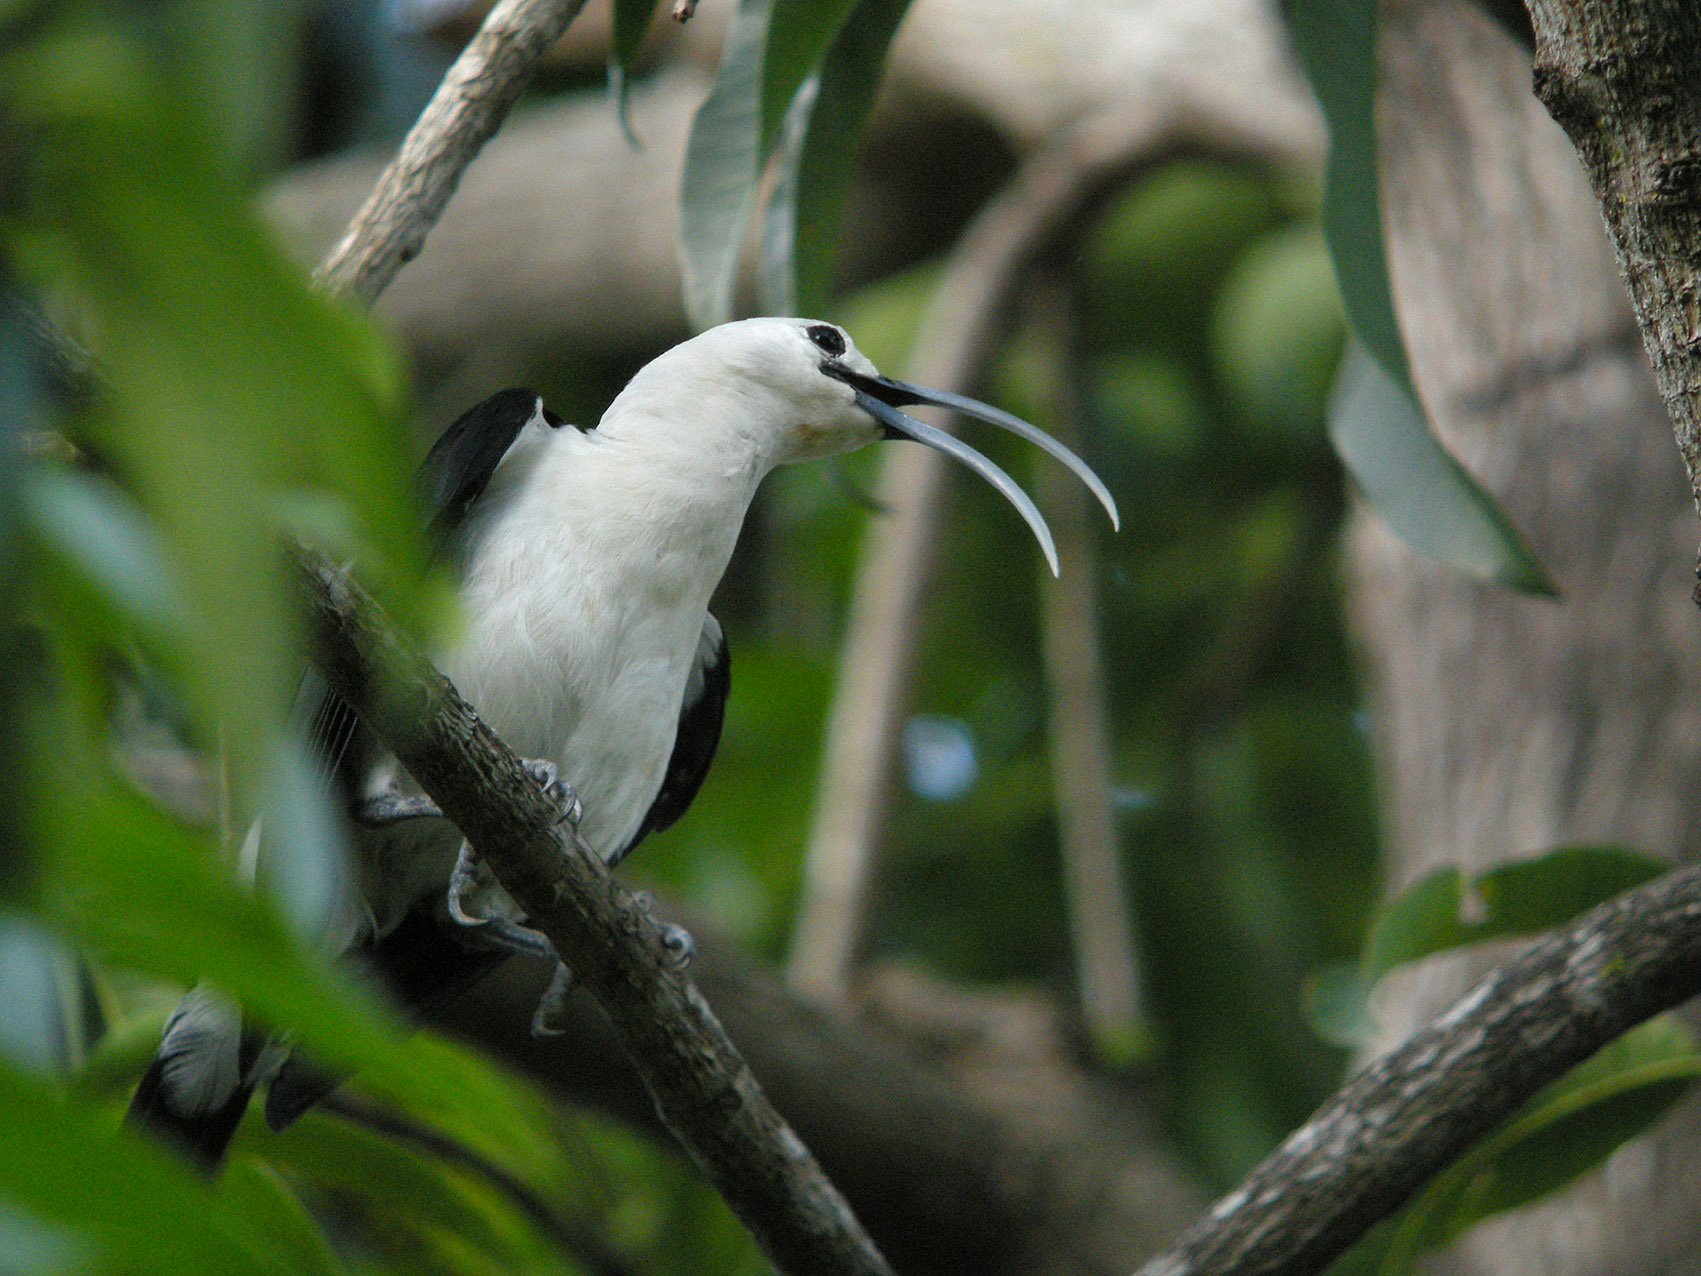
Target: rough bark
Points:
(1623, 79)
(1419, 1107)
(1506, 725)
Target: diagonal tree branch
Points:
(463, 114)
(1417, 1109)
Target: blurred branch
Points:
(1417, 1109)
(1079, 735)
(465, 112)
(1050, 194)
(701, 1087)
(960, 1124)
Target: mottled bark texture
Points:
(1623, 79)
(1504, 725)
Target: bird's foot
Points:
(557, 790)
(391, 807)
(465, 878)
(548, 1018)
(500, 933)
(676, 940)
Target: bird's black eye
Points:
(828, 339)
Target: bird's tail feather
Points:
(198, 1086)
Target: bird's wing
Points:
(458, 468)
(700, 716)
(451, 478)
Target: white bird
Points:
(586, 559)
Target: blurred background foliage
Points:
(143, 599)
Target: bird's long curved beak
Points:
(883, 398)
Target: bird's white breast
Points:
(584, 593)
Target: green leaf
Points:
(107, 538)
(63, 1163)
(225, 379)
(799, 33)
(420, 1205)
(806, 210)
(631, 24)
(1416, 485)
(258, 1193)
(1377, 425)
(1442, 911)
(722, 162)
(34, 970)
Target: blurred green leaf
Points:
(106, 536)
(224, 376)
(141, 1209)
(805, 212)
(1416, 486)
(1442, 911)
(1377, 424)
(258, 1193)
(422, 1214)
(36, 972)
(722, 162)
(799, 33)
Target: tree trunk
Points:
(1507, 726)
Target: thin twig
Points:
(465, 112)
(1416, 1110)
(1078, 734)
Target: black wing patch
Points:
(700, 717)
(458, 468)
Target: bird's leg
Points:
(470, 874)
(675, 939)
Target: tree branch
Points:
(1417, 1109)
(465, 112)
(703, 1090)
(1620, 77)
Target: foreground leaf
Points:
(1377, 425)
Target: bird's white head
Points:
(764, 392)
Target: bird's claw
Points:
(675, 939)
(463, 880)
(557, 790)
(547, 1018)
(390, 807)
(677, 942)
